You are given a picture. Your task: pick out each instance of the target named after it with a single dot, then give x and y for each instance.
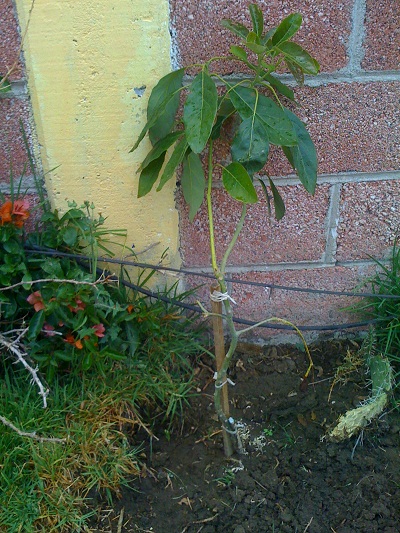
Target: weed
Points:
(386, 311)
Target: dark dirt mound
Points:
(291, 479)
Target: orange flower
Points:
(79, 344)
(15, 212)
(20, 212)
(36, 300)
(69, 338)
(129, 308)
(6, 212)
(99, 330)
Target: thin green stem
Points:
(235, 237)
(210, 213)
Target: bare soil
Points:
(290, 478)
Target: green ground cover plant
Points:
(85, 362)
(252, 113)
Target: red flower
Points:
(80, 306)
(99, 330)
(48, 330)
(36, 300)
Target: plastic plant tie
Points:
(232, 423)
(224, 383)
(218, 296)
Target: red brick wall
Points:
(353, 114)
(14, 105)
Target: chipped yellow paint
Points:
(91, 66)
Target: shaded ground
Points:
(290, 479)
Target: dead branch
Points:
(101, 280)
(16, 348)
(32, 435)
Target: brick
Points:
(9, 40)
(355, 127)
(299, 236)
(369, 219)
(300, 308)
(199, 35)
(11, 143)
(382, 41)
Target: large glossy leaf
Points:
(199, 111)
(294, 53)
(277, 125)
(160, 147)
(250, 147)
(238, 183)
(279, 205)
(163, 103)
(257, 19)
(235, 27)
(225, 110)
(173, 163)
(149, 175)
(302, 157)
(167, 88)
(286, 29)
(193, 183)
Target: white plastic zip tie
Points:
(218, 296)
(224, 383)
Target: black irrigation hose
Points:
(50, 252)
(242, 321)
(195, 308)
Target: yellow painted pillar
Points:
(91, 66)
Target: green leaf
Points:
(239, 52)
(257, 19)
(174, 161)
(36, 324)
(70, 236)
(5, 85)
(253, 43)
(265, 191)
(302, 157)
(166, 94)
(267, 37)
(286, 29)
(279, 86)
(279, 206)
(250, 146)
(199, 111)
(193, 183)
(279, 128)
(296, 71)
(238, 184)
(225, 110)
(162, 106)
(149, 175)
(295, 54)
(160, 147)
(235, 27)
